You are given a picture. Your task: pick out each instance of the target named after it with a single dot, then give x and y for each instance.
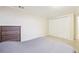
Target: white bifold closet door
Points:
(62, 27)
(77, 28)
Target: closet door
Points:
(11, 33)
(77, 28)
(0, 33)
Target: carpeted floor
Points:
(39, 45)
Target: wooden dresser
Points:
(10, 33)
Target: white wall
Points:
(31, 26)
(62, 27)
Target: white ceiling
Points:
(47, 11)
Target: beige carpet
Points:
(38, 45)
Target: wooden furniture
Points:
(0, 33)
(10, 33)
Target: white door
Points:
(77, 28)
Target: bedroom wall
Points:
(31, 26)
(62, 27)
